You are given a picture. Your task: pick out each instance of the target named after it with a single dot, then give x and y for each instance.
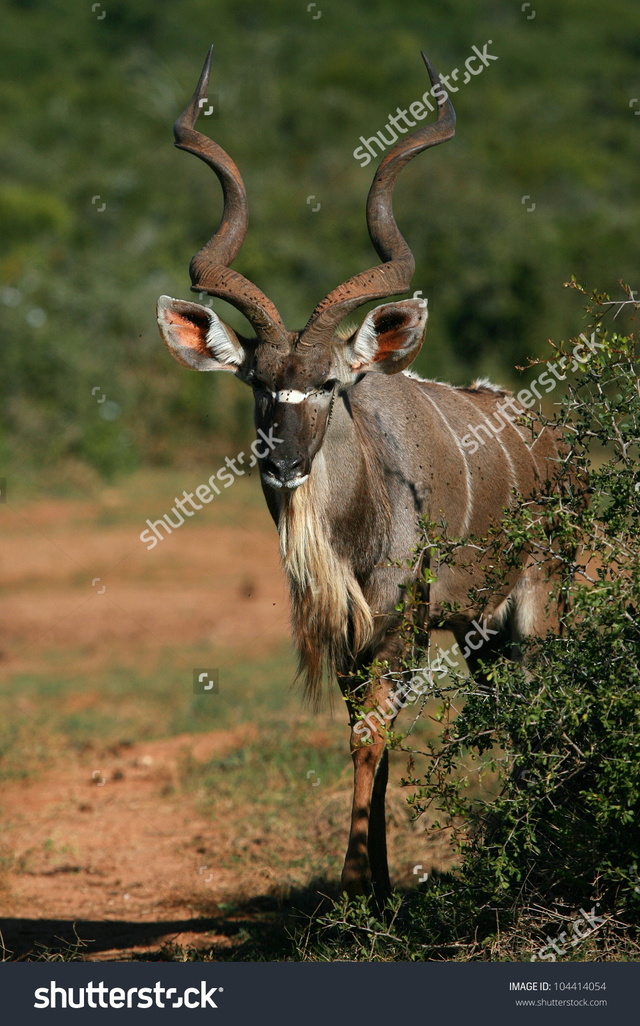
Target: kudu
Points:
(364, 449)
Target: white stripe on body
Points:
(467, 515)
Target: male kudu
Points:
(364, 450)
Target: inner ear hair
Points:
(222, 342)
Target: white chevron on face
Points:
(290, 395)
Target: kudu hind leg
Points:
(534, 611)
(380, 881)
(527, 613)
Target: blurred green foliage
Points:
(89, 97)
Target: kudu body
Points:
(363, 450)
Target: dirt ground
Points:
(105, 843)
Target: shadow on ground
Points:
(251, 930)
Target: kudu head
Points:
(296, 375)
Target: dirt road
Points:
(162, 836)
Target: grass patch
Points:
(43, 713)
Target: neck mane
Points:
(332, 620)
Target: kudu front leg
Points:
(365, 868)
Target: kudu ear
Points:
(197, 338)
(389, 338)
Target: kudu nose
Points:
(283, 469)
